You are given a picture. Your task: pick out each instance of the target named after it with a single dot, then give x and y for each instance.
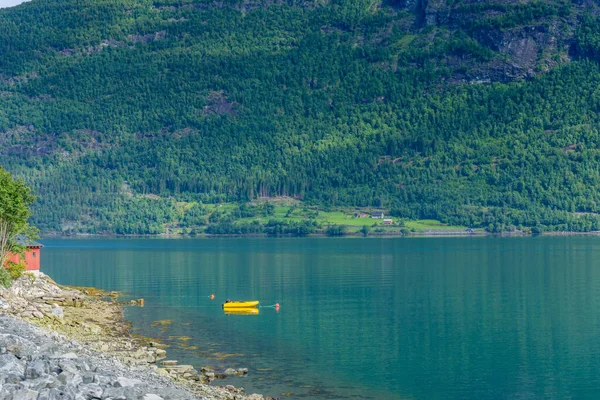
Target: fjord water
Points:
(423, 318)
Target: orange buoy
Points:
(212, 296)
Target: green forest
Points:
(141, 116)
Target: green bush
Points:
(335, 230)
(15, 270)
(5, 278)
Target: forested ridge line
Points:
(137, 116)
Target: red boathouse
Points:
(32, 256)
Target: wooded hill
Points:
(128, 115)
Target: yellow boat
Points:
(240, 304)
(241, 311)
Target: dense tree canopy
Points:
(127, 116)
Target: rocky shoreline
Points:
(59, 342)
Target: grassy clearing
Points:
(425, 225)
(224, 207)
(348, 217)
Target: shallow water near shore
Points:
(424, 318)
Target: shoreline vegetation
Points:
(279, 217)
(371, 234)
(433, 234)
(92, 324)
(288, 217)
(265, 227)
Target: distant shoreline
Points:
(264, 235)
(431, 234)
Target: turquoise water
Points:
(456, 318)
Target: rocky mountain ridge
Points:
(528, 37)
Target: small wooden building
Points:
(31, 257)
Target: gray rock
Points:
(152, 396)
(119, 393)
(7, 390)
(89, 377)
(69, 356)
(68, 366)
(63, 393)
(83, 366)
(123, 382)
(103, 380)
(9, 364)
(38, 314)
(13, 378)
(18, 346)
(173, 394)
(160, 354)
(45, 382)
(25, 394)
(91, 391)
(229, 371)
(36, 369)
(57, 312)
(44, 395)
(76, 381)
(180, 369)
(66, 377)
(169, 363)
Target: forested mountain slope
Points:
(127, 115)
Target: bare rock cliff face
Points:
(530, 36)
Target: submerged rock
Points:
(169, 363)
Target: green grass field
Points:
(425, 225)
(345, 217)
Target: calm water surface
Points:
(457, 318)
